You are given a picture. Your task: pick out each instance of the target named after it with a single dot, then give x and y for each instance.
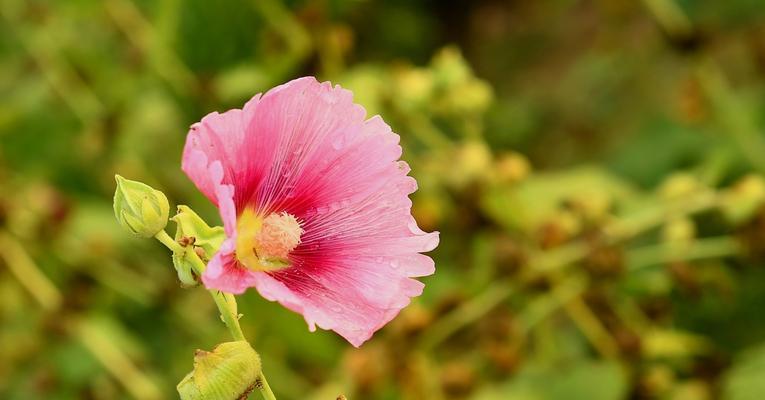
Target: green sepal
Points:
(194, 235)
(191, 225)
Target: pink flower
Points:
(314, 201)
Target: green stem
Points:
(671, 17)
(227, 307)
(732, 113)
(23, 267)
(169, 242)
(265, 389)
(713, 247)
(624, 228)
(466, 314)
(544, 305)
(226, 303)
(554, 261)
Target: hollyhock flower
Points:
(315, 206)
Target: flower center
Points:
(264, 244)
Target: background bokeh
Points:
(594, 168)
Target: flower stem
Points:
(703, 248)
(227, 308)
(226, 303)
(23, 267)
(265, 389)
(169, 242)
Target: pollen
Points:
(279, 235)
(264, 244)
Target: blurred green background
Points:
(594, 167)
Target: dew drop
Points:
(334, 206)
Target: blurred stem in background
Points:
(29, 275)
(671, 18)
(552, 262)
(734, 116)
(105, 349)
(141, 34)
(699, 249)
(63, 80)
(92, 335)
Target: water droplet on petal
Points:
(334, 206)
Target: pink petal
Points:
(336, 307)
(218, 137)
(224, 273)
(306, 148)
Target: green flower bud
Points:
(140, 208)
(229, 372)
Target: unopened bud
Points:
(140, 208)
(229, 372)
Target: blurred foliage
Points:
(594, 167)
